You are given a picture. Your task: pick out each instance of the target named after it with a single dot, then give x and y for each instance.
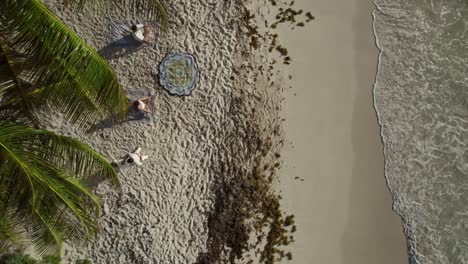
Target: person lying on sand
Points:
(140, 33)
(130, 159)
(143, 104)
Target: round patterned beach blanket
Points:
(178, 73)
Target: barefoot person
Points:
(143, 104)
(132, 158)
(140, 33)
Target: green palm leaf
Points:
(37, 190)
(14, 101)
(63, 72)
(9, 234)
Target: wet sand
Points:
(343, 206)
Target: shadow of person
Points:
(120, 48)
(107, 123)
(132, 114)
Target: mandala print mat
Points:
(178, 73)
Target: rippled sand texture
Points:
(160, 216)
(421, 96)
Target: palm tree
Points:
(44, 180)
(45, 177)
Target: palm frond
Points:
(153, 8)
(66, 74)
(14, 99)
(9, 233)
(36, 184)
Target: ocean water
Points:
(421, 97)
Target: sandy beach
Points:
(210, 153)
(205, 187)
(343, 206)
(262, 131)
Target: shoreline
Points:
(344, 190)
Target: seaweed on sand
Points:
(287, 14)
(252, 29)
(246, 223)
(245, 204)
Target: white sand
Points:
(161, 214)
(343, 206)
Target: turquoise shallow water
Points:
(421, 96)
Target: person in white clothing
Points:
(130, 159)
(139, 33)
(143, 104)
